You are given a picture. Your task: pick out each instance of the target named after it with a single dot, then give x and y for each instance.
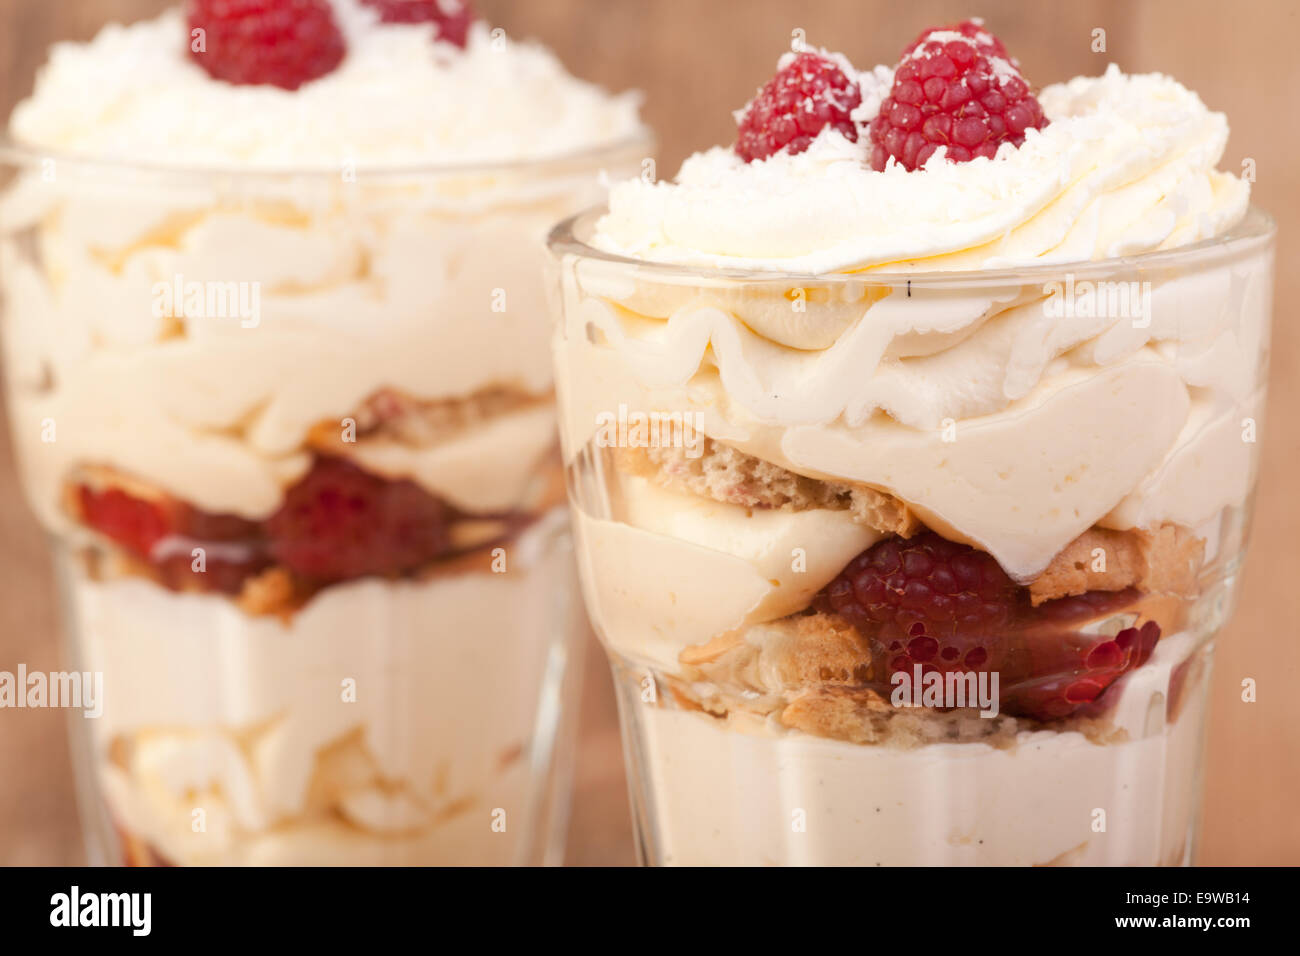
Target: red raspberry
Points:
(945, 607)
(164, 533)
(928, 601)
(925, 580)
(808, 93)
(283, 43)
(452, 17)
(973, 30)
(133, 523)
(1078, 669)
(962, 92)
(340, 522)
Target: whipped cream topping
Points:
(398, 98)
(1127, 165)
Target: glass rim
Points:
(21, 154)
(1255, 227)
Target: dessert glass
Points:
(200, 340)
(759, 726)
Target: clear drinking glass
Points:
(220, 384)
(723, 482)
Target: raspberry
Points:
(340, 522)
(164, 533)
(946, 607)
(283, 43)
(1078, 670)
(926, 580)
(809, 92)
(973, 30)
(133, 523)
(954, 87)
(451, 17)
(928, 601)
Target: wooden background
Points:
(697, 60)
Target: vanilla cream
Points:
(726, 794)
(937, 394)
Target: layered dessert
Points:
(911, 441)
(279, 387)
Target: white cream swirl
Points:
(1126, 165)
(398, 98)
(999, 423)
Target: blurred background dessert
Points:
(275, 354)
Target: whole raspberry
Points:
(340, 522)
(928, 601)
(809, 92)
(1075, 670)
(452, 17)
(954, 87)
(283, 43)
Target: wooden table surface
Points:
(696, 60)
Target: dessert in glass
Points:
(911, 443)
(280, 390)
